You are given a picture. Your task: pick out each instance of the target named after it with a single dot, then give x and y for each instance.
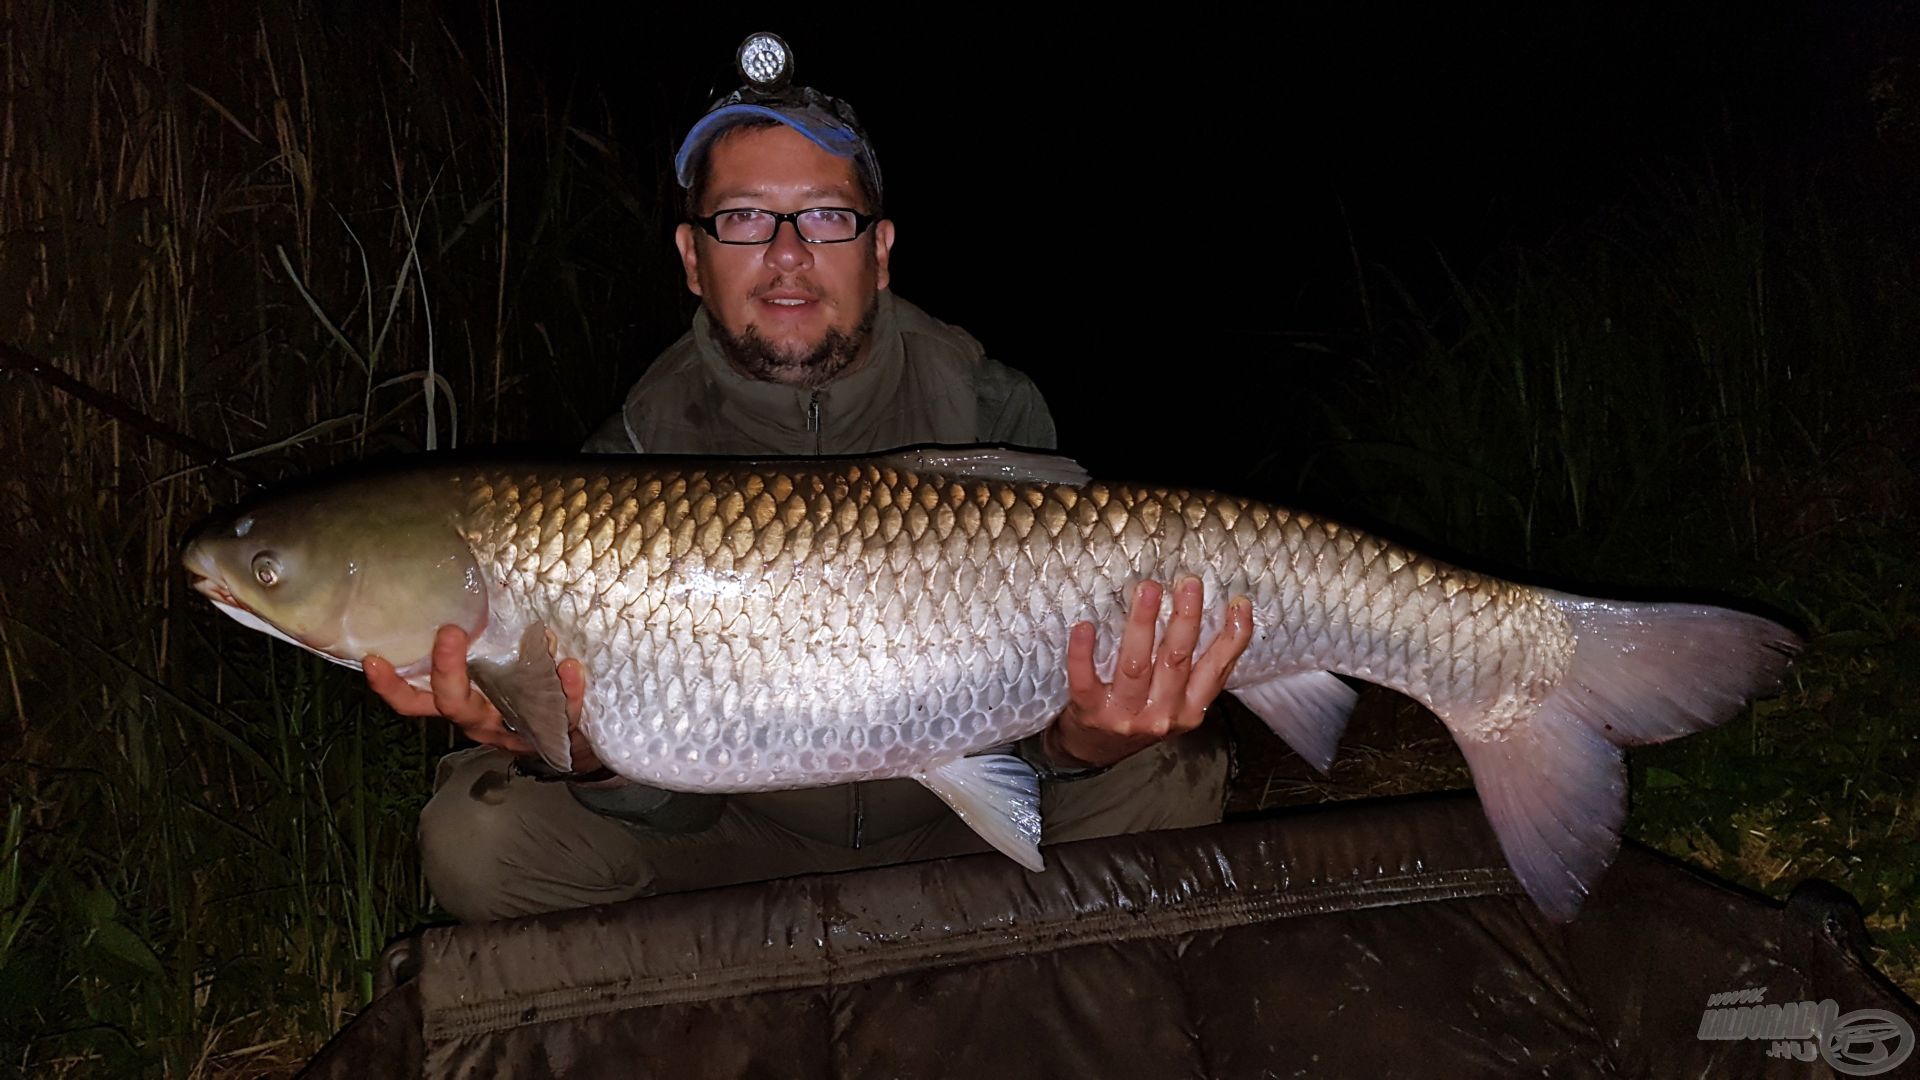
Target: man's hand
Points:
(1155, 693)
(455, 697)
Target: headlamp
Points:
(765, 63)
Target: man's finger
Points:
(402, 698)
(1084, 688)
(451, 690)
(573, 683)
(1215, 665)
(1174, 664)
(1133, 671)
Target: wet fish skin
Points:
(761, 626)
(832, 605)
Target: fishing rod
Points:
(123, 411)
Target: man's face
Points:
(788, 311)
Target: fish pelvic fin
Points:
(1308, 709)
(528, 694)
(1554, 785)
(998, 796)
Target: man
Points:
(799, 348)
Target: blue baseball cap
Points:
(766, 64)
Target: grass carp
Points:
(750, 626)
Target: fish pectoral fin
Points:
(1308, 709)
(998, 796)
(989, 463)
(528, 694)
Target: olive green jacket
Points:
(923, 382)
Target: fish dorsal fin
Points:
(998, 796)
(999, 463)
(528, 694)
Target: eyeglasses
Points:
(815, 225)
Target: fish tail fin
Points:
(1646, 673)
(1554, 785)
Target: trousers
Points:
(496, 845)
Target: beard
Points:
(807, 368)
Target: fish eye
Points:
(266, 569)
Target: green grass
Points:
(1704, 395)
(205, 839)
(289, 239)
(1824, 780)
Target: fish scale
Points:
(755, 626)
(736, 574)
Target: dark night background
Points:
(1616, 297)
(1147, 215)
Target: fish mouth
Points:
(207, 580)
(223, 599)
(216, 591)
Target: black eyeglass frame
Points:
(710, 224)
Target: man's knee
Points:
(465, 829)
(494, 845)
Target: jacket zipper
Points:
(857, 811)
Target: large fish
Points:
(750, 626)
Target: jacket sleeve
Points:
(611, 437)
(1011, 409)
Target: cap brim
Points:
(834, 138)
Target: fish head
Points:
(346, 571)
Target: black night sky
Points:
(1149, 215)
